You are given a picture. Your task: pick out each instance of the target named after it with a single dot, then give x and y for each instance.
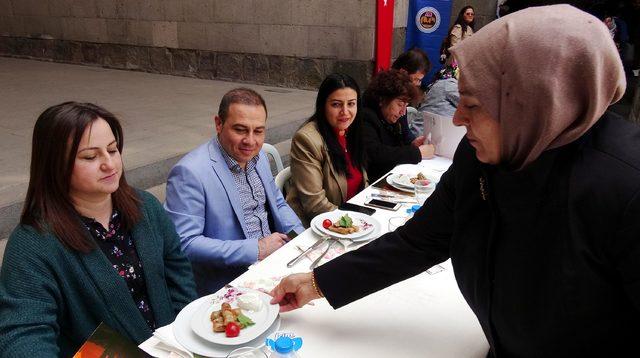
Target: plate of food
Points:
(406, 182)
(345, 224)
(409, 180)
(234, 317)
(391, 180)
(185, 335)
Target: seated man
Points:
(223, 199)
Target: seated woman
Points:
(385, 101)
(89, 248)
(327, 155)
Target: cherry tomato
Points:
(232, 329)
(326, 223)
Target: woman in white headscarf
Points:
(540, 211)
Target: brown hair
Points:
(388, 85)
(48, 206)
(240, 95)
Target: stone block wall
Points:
(295, 41)
(292, 43)
(299, 28)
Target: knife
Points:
(305, 252)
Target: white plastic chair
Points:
(270, 150)
(282, 180)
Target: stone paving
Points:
(163, 118)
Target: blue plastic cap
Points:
(286, 345)
(415, 208)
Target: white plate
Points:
(391, 181)
(374, 234)
(203, 327)
(189, 340)
(405, 180)
(358, 219)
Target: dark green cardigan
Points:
(52, 298)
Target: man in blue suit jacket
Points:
(222, 197)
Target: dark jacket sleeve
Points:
(383, 157)
(421, 243)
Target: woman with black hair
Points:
(462, 28)
(327, 153)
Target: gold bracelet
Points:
(315, 286)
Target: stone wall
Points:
(293, 43)
(297, 28)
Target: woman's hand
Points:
(294, 291)
(427, 151)
(418, 141)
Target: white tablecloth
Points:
(424, 316)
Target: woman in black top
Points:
(539, 210)
(385, 102)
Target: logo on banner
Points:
(428, 19)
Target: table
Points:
(424, 316)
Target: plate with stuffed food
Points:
(234, 317)
(406, 182)
(409, 180)
(345, 224)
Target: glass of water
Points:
(422, 189)
(397, 221)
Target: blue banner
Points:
(427, 27)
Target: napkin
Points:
(162, 344)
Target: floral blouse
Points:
(119, 248)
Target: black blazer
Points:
(548, 258)
(386, 145)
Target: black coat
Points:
(386, 145)
(548, 258)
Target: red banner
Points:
(384, 34)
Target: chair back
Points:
(271, 151)
(282, 180)
(441, 132)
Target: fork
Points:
(315, 263)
